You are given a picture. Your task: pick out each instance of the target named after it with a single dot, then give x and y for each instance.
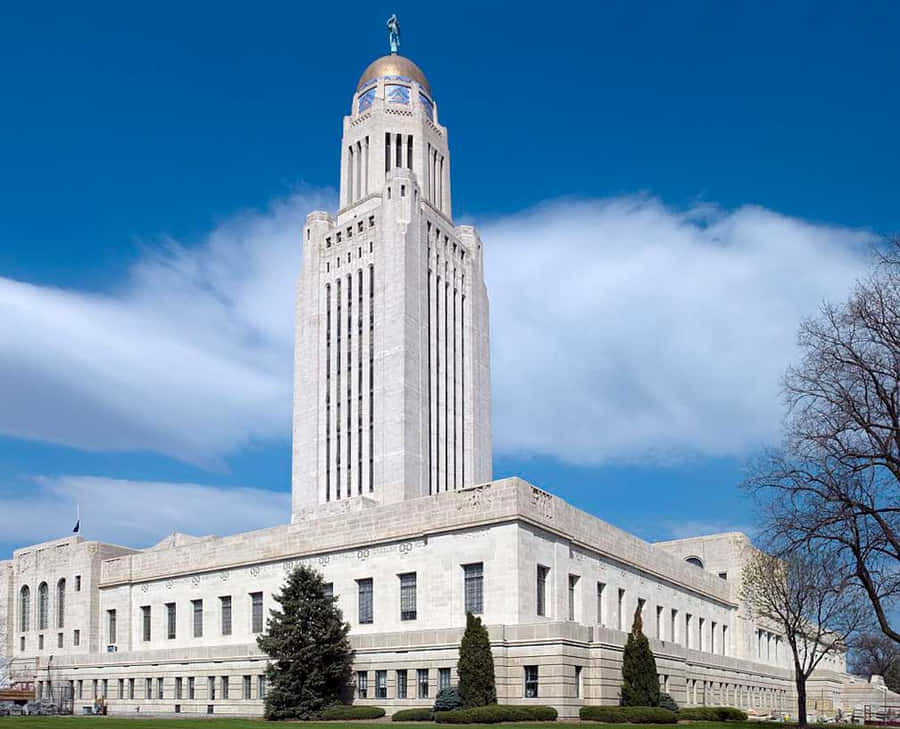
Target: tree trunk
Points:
(800, 682)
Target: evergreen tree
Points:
(640, 682)
(306, 638)
(476, 665)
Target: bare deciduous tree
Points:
(807, 596)
(876, 654)
(835, 483)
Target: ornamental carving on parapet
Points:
(254, 571)
(170, 584)
(542, 503)
(362, 554)
(405, 547)
(195, 581)
(479, 497)
(324, 559)
(224, 576)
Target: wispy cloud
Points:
(622, 329)
(135, 513)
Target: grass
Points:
(115, 722)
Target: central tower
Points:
(392, 364)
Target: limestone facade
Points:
(393, 502)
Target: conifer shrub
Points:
(667, 702)
(448, 699)
(311, 661)
(640, 681)
(476, 665)
(417, 714)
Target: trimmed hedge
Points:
(712, 713)
(628, 714)
(418, 714)
(345, 713)
(495, 713)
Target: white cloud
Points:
(190, 356)
(621, 329)
(625, 330)
(135, 513)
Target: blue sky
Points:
(664, 191)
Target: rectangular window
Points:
(225, 610)
(111, 626)
(531, 682)
(401, 684)
(224, 687)
(59, 640)
(362, 684)
(725, 642)
(94, 692)
(422, 676)
(191, 687)
(197, 606)
(713, 643)
(619, 609)
(80, 689)
(211, 688)
(121, 688)
(674, 626)
(148, 688)
(659, 622)
(40, 642)
(77, 583)
(542, 589)
(701, 639)
(130, 688)
(601, 613)
(76, 637)
(688, 640)
(365, 588)
(159, 688)
(104, 688)
(577, 682)
(170, 620)
(573, 600)
(248, 683)
(443, 678)
(380, 684)
(145, 619)
(178, 687)
(328, 590)
(260, 687)
(408, 596)
(474, 587)
(256, 612)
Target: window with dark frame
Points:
(408, 596)
(531, 682)
(474, 587)
(365, 589)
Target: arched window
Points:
(43, 605)
(61, 603)
(696, 561)
(24, 609)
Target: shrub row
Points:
(420, 714)
(341, 712)
(495, 713)
(712, 713)
(628, 714)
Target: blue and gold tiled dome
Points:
(393, 66)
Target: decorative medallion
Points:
(396, 94)
(195, 580)
(145, 587)
(362, 554)
(170, 584)
(224, 575)
(324, 559)
(254, 571)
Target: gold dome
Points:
(394, 65)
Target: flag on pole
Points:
(77, 520)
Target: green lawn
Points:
(113, 722)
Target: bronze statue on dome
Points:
(393, 27)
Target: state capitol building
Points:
(394, 503)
